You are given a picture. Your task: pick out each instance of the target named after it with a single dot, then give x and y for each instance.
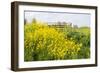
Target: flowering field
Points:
(42, 42)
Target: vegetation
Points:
(42, 42)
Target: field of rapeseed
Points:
(42, 42)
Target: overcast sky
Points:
(79, 19)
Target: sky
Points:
(80, 19)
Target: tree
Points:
(34, 20)
(25, 21)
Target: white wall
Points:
(5, 40)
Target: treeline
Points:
(56, 24)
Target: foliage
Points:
(42, 42)
(79, 35)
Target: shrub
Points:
(44, 43)
(80, 36)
